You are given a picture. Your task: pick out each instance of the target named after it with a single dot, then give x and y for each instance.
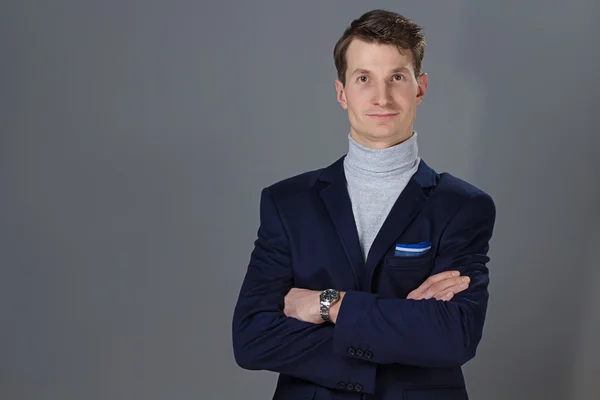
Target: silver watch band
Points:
(327, 299)
(325, 307)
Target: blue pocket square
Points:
(412, 249)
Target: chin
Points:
(383, 132)
(388, 138)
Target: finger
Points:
(454, 289)
(445, 296)
(446, 284)
(456, 284)
(432, 280)
(286, 309)
(442, 276)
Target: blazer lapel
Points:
(337, 201)
(405, 209)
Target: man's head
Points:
(380, 81)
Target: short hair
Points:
(383, 27)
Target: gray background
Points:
(136, 137)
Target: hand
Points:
(442, 286)
(303, 304)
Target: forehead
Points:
(376, 56)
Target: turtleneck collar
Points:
(387, 162)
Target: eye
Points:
(398, 77)
(362, 79)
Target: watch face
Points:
(329, 295)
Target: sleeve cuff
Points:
(349, 334)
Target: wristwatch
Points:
(328, 297)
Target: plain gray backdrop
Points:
(136, 137)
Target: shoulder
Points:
(296, 183)
(451, 185)
(295, 189)
(463, 195)
(305, 183)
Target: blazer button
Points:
(359, 352)
(368, 354)
(351, 351)
(358, 387)
(342, 385)
(350, 386)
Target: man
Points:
(368, 279)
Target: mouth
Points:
(383, 116)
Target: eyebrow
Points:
(366, 71)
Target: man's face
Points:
(381, 93)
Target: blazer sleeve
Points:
(264, 338)
(428, 333)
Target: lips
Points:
(383, 115)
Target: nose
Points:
(381, 97)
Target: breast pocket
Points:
(408, 261)
(399, 275)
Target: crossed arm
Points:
(303, 304)
(276, 328)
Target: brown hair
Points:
(384, 27)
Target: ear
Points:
(422, 82)
(341, 94)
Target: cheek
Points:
(358, 95)
(356, 105)
(405, 96)
(362, 98)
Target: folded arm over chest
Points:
(264, 338)
(428, 332)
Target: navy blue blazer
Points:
(383, 345)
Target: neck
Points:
(390, 160)
(381, 143)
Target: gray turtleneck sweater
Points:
(375, 180)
